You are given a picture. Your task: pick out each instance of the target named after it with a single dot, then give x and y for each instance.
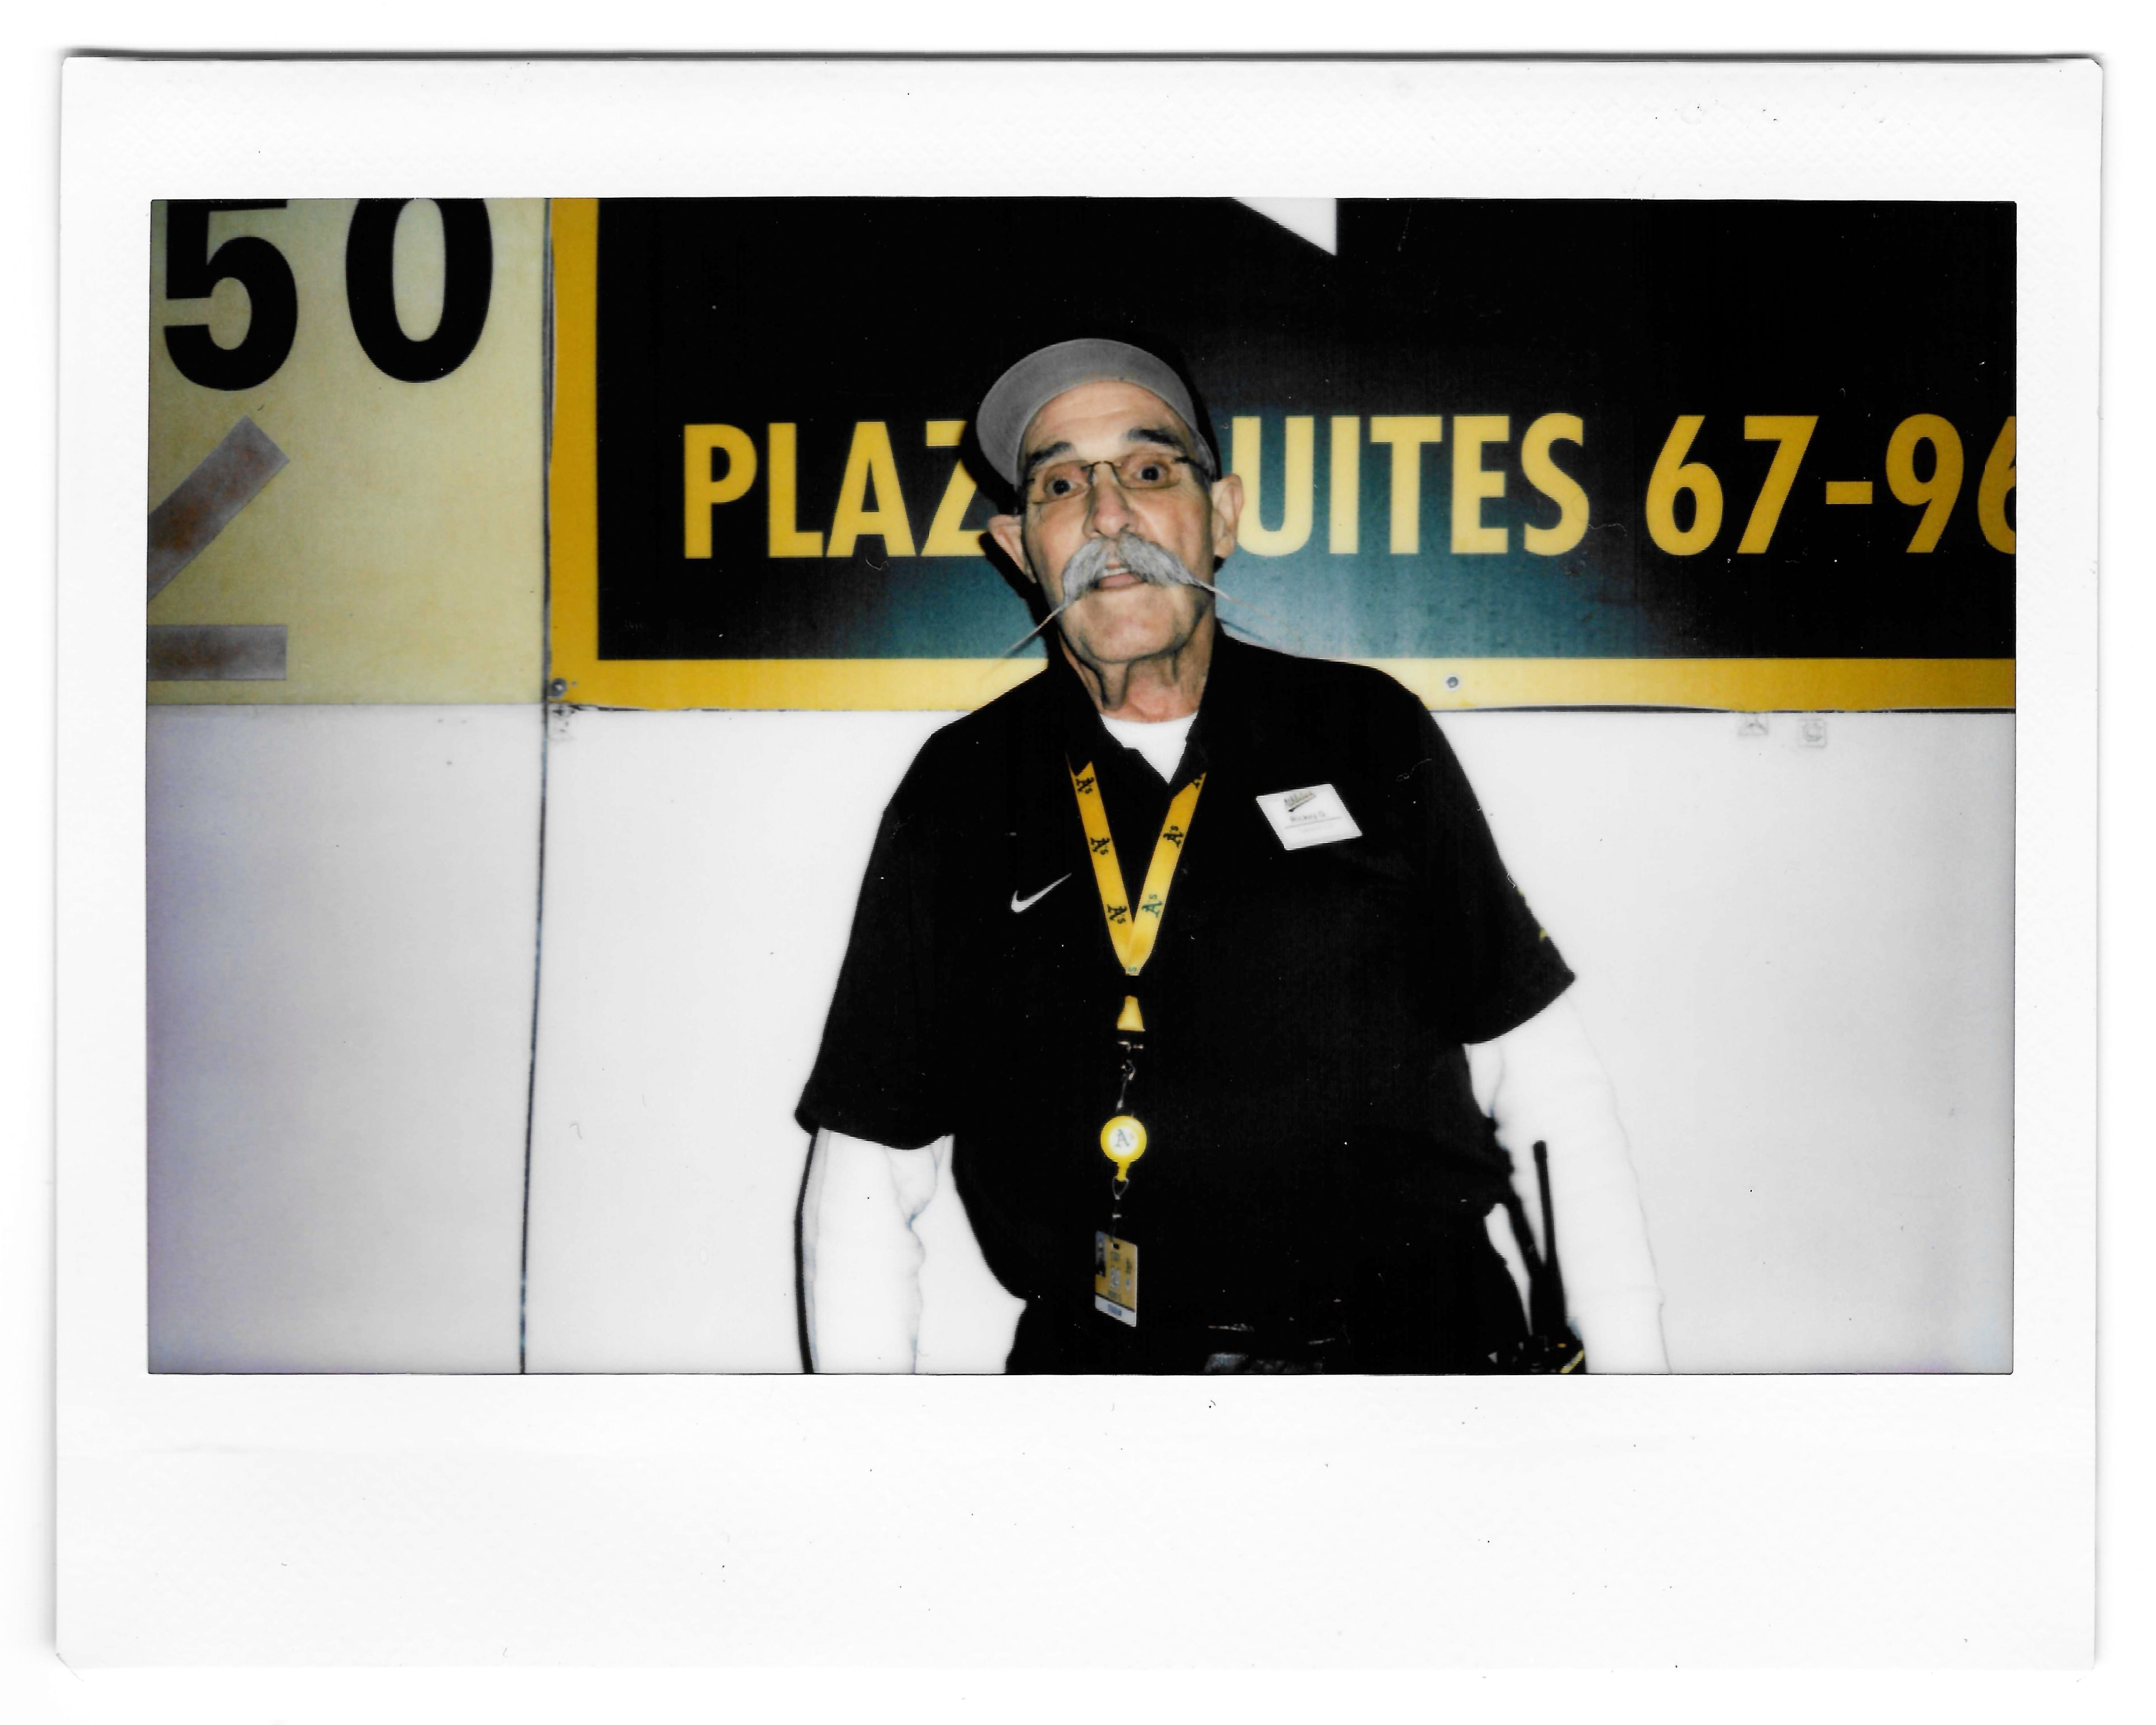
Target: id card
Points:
(1116, 1278)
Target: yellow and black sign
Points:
(1520, 454)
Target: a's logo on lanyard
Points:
(1133, 934)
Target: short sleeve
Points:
(1501, 966)
(878, 1070)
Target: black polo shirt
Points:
(1315, 1156)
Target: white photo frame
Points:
(738, 1520)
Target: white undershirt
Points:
(1160, 741)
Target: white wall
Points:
(1795, 958)
(702, 870)
(1797, 961)
(341, 913)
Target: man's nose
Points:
(1107, 510)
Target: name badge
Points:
(1116, 1278)
(1314, 815)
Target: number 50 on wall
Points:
(345, 437)
(192, 272)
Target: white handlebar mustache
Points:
(1152, 563)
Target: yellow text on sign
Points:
(723, 464)
(720, 464)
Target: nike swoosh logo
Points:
(1027, 904)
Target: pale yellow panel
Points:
(402, 548)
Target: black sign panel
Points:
(1484, 429)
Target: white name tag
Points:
(1314, 815)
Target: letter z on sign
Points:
(1314, 815)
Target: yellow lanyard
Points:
(1133, 935)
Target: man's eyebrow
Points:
(1038, 456)
(1046, 452)
(1157, 434)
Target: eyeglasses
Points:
(1145, 470)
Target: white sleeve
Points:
(860, 1259)
(1542, 1082)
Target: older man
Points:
(1201, 958)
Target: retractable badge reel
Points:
(1123, 1141)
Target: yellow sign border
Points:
(954, 684)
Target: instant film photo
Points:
(547, 598)
(623, 687)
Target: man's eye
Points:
(1058, 484)
(1151, 473)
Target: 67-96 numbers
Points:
(1933, 490)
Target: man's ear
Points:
(1009, 531)
(1227, 512)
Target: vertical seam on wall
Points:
(532, 1070)
(546, 672)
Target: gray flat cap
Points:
(1040, 377)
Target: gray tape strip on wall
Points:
(202, 505)
(217, 653)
